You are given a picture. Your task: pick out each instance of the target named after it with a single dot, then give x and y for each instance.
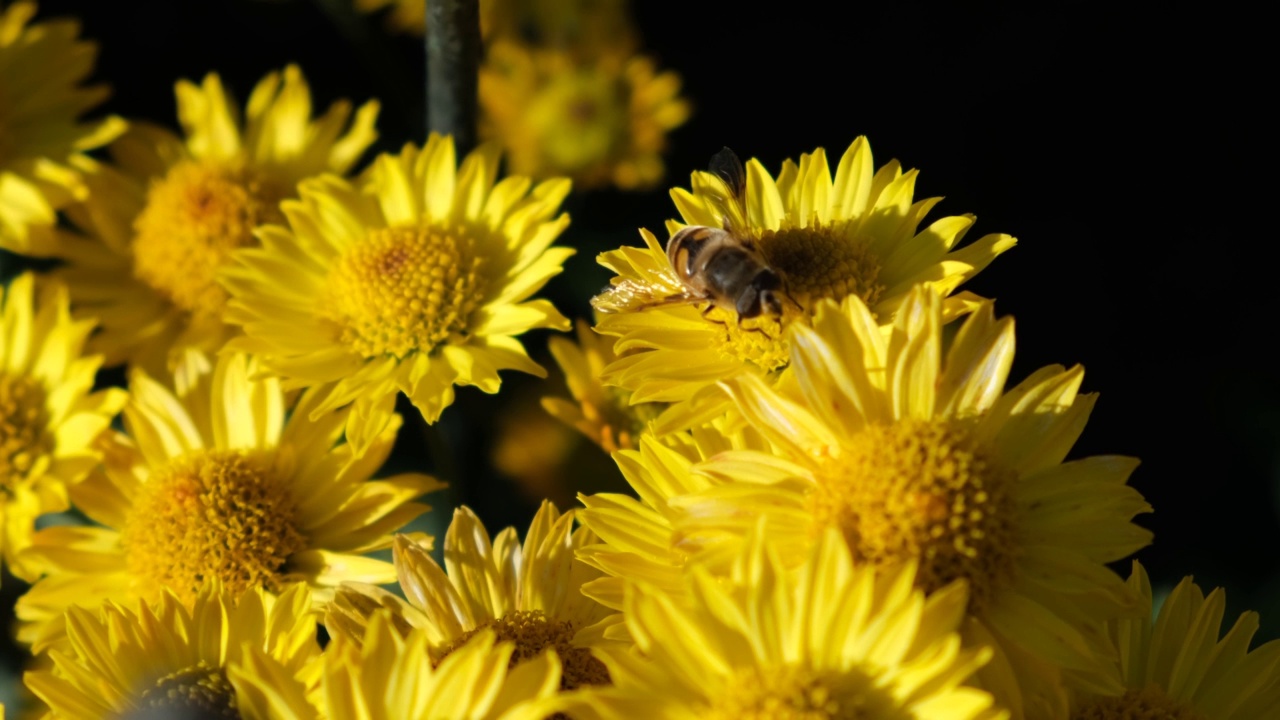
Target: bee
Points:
(722, 267)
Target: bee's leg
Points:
(752, 329)
(793, 300)
(711, 306)
(756, 330)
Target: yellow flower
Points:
(916, 454)
(404, 16)
(49, 419)
(601, 412)
(416, 283)
(854, 235)
(589, 26)
(41, 68)
(392, 674)
(1178, 667)
(227, 654)
(600, 120)
(224, 482)
(638, 533)
(831, 641)
(155, 232)
(528, 594)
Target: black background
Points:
(1123, 147)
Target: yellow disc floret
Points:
(820, 261)
(194, 217)
(798, 694)
(218, 514)
(405, 289)
(922, 490)
(195, 692)
(24, 438)
(1150, 703)
(533, 632)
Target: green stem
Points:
(453, 66)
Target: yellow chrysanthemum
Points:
(226, 655)
(830, 641)
(528, 594)
(587, 25)
(41, 68)
(49, 419)
(155, 231)
(393, 674)
(637, 534)
(600, 121)
(854, 235)
(416, 283)
(602, 412)
(1177, 668)
(221, 484)
(405, 16)
(915, 452)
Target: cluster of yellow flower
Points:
(839, 510)
(565, 91)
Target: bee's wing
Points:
(632, 296)
(727, 167)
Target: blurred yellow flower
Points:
(526, 593)
(154, 232)
(225, 654)
(49, 419)
(41, 100)
(414, 281)
(588, 26)
(854, 235)
(914, 451)
(1177, 667)
(405, 16)
(600, 121)
(225, 482)
(393, 674)
(601, 412)
(830, 641)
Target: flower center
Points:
(620, 422)
(1150, 703)
(405, 290)
(25, 442)
(922, 490)
(822, 262)
(579, 120)
(533, 633)
(197, 693)
(816, 262)
(194, 217)
(212, 514)
(797, 694)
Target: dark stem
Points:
(453, 61)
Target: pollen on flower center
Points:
(404, 290)
(820, 262)
(922, 490)
(197, 693)
(796, 694)
(24, 438)
(194, 217)
(532, 632)
(1150, 703)
(212, 514)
